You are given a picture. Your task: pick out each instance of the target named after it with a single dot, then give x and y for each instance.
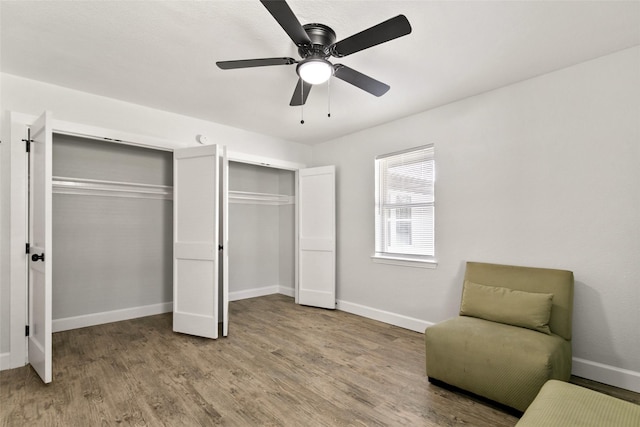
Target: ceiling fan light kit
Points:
(314, 70)
(316, 43)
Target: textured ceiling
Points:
(162, 54)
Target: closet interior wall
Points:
(261, 230)
(112, 227)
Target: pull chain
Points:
(329, 98)
(301, 102)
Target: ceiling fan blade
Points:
(248, 63)
(383, 32)
(301, 93)
(364, 82)
(282, 13)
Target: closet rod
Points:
(96, 187)
(259, 198)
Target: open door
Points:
(224, 231)
(317, 237)
(39, 256)
(197, 240)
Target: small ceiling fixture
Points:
(314, 70)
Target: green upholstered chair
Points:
(512, 335)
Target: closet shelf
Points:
(248, 197)
(96, 187)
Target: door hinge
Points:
(26, 330)
(28, 141)
(27, 249)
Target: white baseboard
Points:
(260, 292)
(607, 374)
(384, 316)
(290, 292)
(253, 293)
(93, 319)
(110, 316)
(5, 361)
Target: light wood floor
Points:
(281, 365)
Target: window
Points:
(405, 205)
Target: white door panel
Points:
(317, 237)
(197, 199)
(40, 262)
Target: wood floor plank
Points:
(281, 365)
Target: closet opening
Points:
(106, 212)
(262, 227)
(112, 231)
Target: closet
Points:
(112, 230)
(261, 230)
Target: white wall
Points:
(542, 173)
(31, 98)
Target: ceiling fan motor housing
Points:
(322, 38)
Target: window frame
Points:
(390, 257)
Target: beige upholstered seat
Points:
(502, 346)
(561, 404)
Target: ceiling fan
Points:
(316, 43)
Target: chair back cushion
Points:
(534, 280)
(530, 310)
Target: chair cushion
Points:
(504, 363)
(512, 307)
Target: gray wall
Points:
(260, 236)
(110, 253)
(89, 158)
(287, 232)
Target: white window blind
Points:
(405, 204)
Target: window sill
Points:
(406, 262)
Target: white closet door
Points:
(197, 200)
(224, 230)
(317, 237)
(40, 227)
